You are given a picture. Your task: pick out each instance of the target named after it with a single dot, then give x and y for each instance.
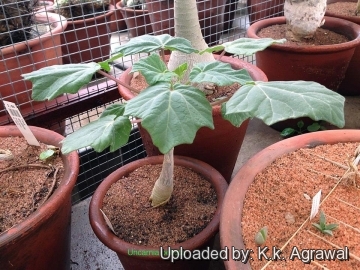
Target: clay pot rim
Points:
(41, 16)
(100, 17)
(127, 94)
(354, 19)
(48, 209)
(137, 12)
(231, 213)
(116, 244)
(254, 28)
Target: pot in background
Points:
(325, 64)
(350, 85)
(137, 21)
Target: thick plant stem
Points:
(164, 185)
(187, 26)
(303, 17)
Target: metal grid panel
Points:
(117, 25)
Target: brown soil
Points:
(189, 210)
(138, 82)
(280, 190)
(322, 36)
(342, 8)
(24, 189)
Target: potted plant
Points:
(23, 51)
(210, 14)
(87, 36)
(42, 239)
(301, 58)
(327, 161)
(349, 85)
(136, 17)
(189, 109)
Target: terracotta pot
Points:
(259, 10)
(231, 215)
(325, 64)
(350, 84)
(117, 20)
(42, 241)
(210, 17)
(229, 14)
(155, 262)
(137, 21)
(87, 40)
(27, 56)
(219, 147)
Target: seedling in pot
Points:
(323, 227)
(260, 236)
(173, 108)
(289, 132)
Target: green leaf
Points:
(219, 73)
(300, 124)
(313, 127)
(327, 232)
(104, 132)
(114, 109)
(153, 69)
(216, 48)
(149, 43)
(322, 219)
(46, 154)
(181, 70)
(287, 132)
(249, 46)
(331, 227)
(105, 65)
(317, 226)
(171, 116)
(53, 81)
(276, 101)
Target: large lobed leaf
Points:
(276, 101)
(51, 82)
(249, 46)
(149, 43)
(107, 131)
(218, 73)
(171, 116)
(153, 69)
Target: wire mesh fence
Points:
(87, 31)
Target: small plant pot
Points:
(137, 21)
(87, 40)
(350, 85)
(117, 20)
(231, 231)
(42, 241)
(201, 240)
(219, 147)
(325, 64)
